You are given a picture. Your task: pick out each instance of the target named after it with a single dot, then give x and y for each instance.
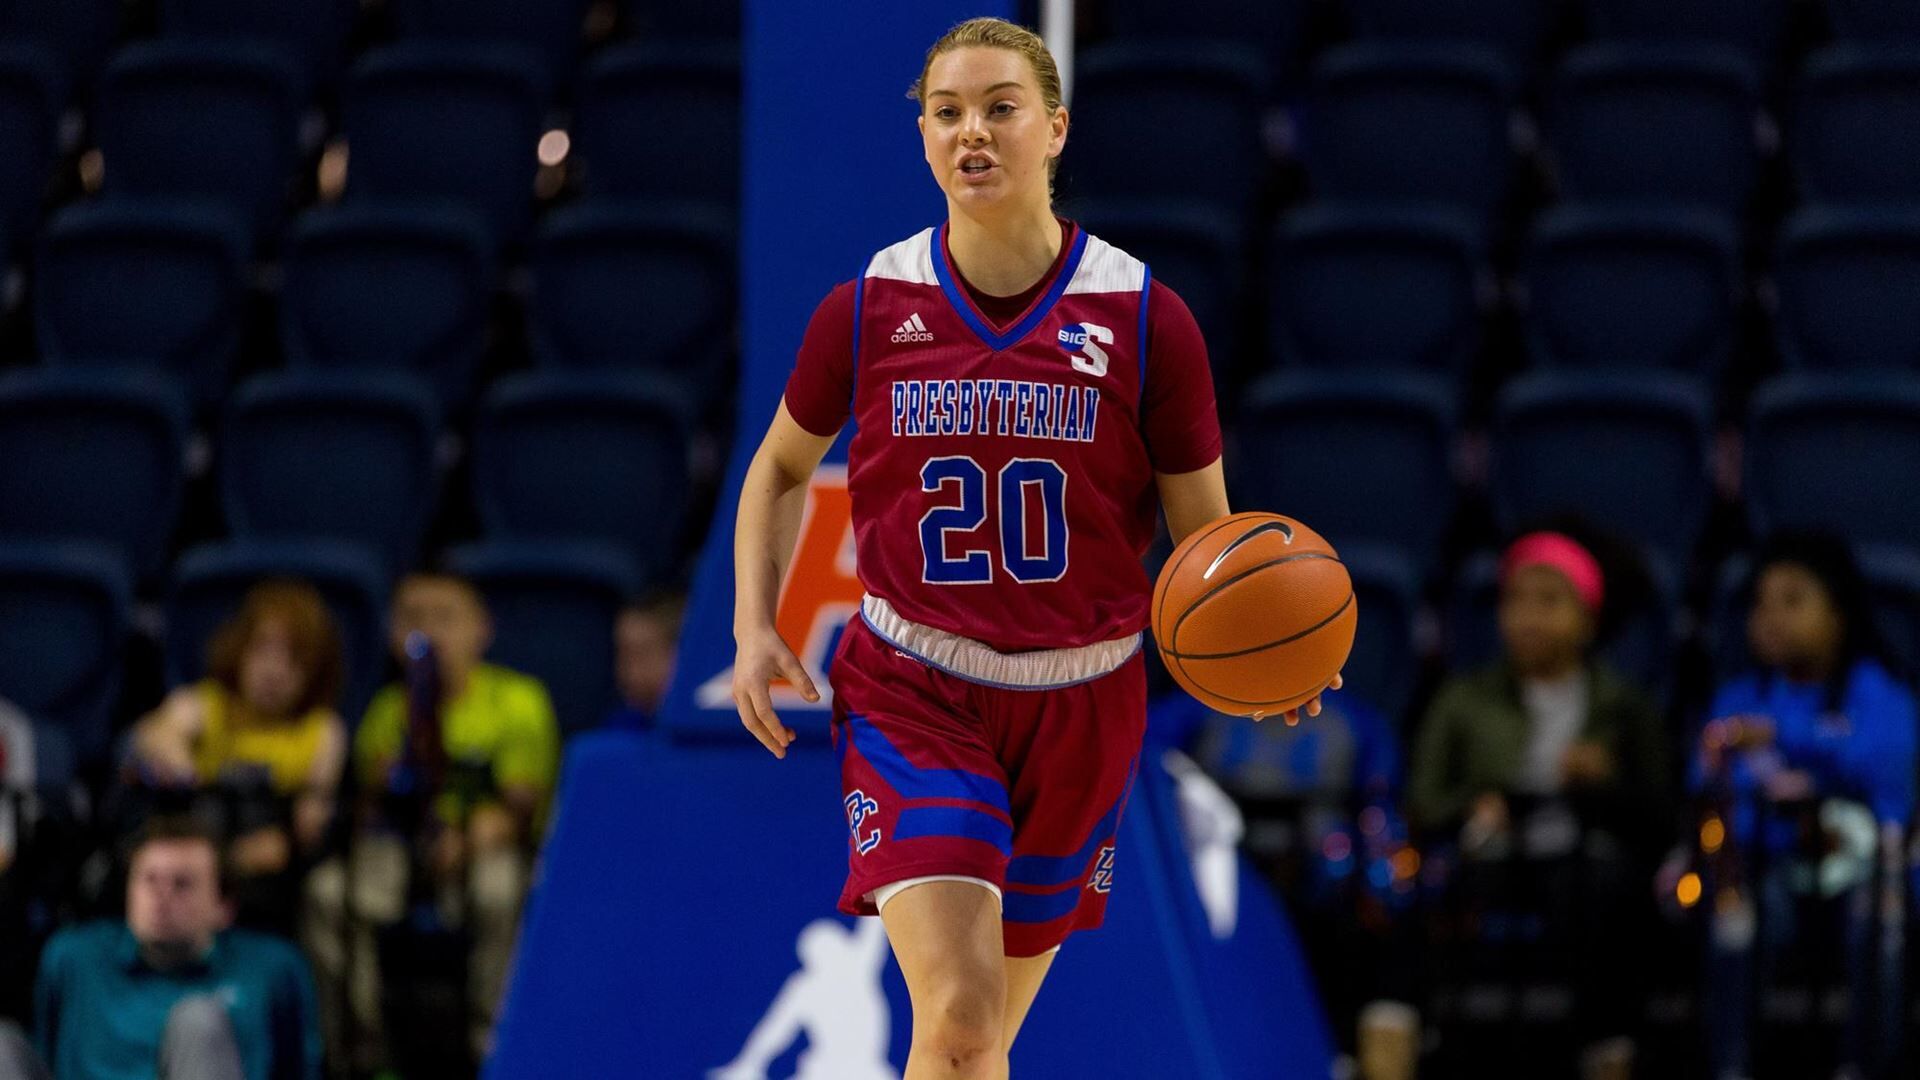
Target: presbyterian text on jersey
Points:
(1013, 407)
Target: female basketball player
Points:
(1022, 393)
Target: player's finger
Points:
(1313, 707)
(758, 730)
(1337, 682)
(762, 703)
(796, 673)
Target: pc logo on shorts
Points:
(1087, 338)
(859, 808)
(1102, 880)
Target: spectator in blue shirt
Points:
(1817, 741)
(172, 993)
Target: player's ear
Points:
(1058, 141)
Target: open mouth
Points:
(976, 166)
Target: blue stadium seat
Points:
(1633, 287)
(1835, 452)
(209, 582)
(1365, 458)
(96, 456)
(632, 287)
(218, 121)
(596, 456)
(1397, 122)
(1629, 451)
(1665, 122)
(32, 93)
(658, 19)
(80, 32)
(636, 98)
(1276, 28)
(1893, 576)
(1383, 666)
(1874, 20)
(1757, 27)
(1172, 121)
(1847, 282)
(1516, 28)
(1378, 287)
(66, 609)
(404, 288)
(326, 455)
(1197, 253)
(1893, 582)
(146, 284)
(1641, 645)
(310, 34)
(553, 27)
(553, 608)
(434, 120)
(1855, 135)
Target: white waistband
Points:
(974, 661)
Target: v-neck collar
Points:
(962, 304)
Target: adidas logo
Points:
(912, 330)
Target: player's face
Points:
(1544, 625)
(988, 133)
(1794, 623)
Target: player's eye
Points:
(1004, 108)
(946, 112)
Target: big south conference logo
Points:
(1087, 338)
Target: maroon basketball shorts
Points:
(1013, 769)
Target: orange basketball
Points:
(1254, 614)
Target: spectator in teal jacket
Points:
(172, 993)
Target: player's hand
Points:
(1292, 716)
(759, 659)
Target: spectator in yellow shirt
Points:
(486, 786)
(262, 728)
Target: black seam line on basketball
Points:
(1280, 527)
(1271, 644)
(1174, 634)
(1167, 573)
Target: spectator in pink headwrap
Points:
(1546, 752)
(1548, 719)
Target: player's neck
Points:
(1005, 254)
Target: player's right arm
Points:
(816, 405)
(772, 498)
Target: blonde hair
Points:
(988, 33)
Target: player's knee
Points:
(963, 1027)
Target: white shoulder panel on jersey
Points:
(1106, 269)
(909, 260)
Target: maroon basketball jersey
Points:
(1001, 486)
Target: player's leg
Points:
(946, 936)
(1024, 976)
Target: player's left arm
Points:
(1181, 422)
(1191, 499)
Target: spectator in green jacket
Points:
(1552, 755)
(1547, 720)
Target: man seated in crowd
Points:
(171, 992)
(458, 764)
